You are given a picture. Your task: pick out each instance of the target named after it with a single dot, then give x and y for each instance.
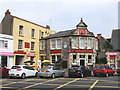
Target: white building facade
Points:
(6, 50)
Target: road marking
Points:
(66, 84)
(15, 82)
(38, 83)
(93, 84)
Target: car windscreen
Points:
(46, 68)
(15, 67)
(73, 68)
(101, 67)
(1, 67)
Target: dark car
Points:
(103, 70)
(3, 71)
(79, 71)
(118, 71)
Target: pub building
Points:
(71, 47)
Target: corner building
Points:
(71, 47)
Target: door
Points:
(82, 62)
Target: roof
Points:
(61, 34)
(81, 24)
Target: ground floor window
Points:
(4, 60)
(56, 58)
(74, 58)
(89, 58)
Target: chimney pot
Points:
(7, 12)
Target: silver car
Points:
(51, 71)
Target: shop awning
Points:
(44, 61)
(29, 62)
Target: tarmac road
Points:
(87, 83)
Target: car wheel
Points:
(106, 74)
(81, 75)
(23, 76)
(53, 75)
(37, 75)
(63, 74)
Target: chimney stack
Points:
(47, 26)
(7, 12)
(98, 36)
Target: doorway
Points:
(82, 62)
(19, 60)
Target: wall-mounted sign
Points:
(27, 45)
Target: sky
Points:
(101, 16)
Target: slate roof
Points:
(61, 34)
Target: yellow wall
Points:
(27, 27)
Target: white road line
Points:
(93, 84)
(66, 84)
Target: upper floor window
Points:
(82, 43)
(42, 34)
(74, 43)
(59, 44)
(42, 45)
(89, 43)
(20, 30)
(32, 45)
(33, 33)
(74, 58)
(3, 44)
(52, 44)
(20, 44)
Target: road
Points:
(87, 83)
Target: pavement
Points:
(86, 83)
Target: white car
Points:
(22, 71)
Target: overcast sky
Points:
(101, 16)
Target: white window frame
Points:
(33, 33)
(51, 44)
(42, 45)
(89, 43)
(3, 44)
(74, 43)
(20, 30)
(59, 45)
(81, 43)
(20, 44)
(32, 46)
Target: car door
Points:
(55, 70)
(32, 71)
(26, 70)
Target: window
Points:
(42, 45)
(89, 43)
(89, 58)
(3, 44)
(53, 58)
(33, 33)
(59, 58)
(58, 43)
(20, 44)
(82, 43)
(52, 44)
(20, 30)
(74, 43)
(32, 45)
(42, 34)
(82, 56)
(74, 58)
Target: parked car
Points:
(22, 71)
(103, 70)
(3, 71)
(79, 71)
(51, 71)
